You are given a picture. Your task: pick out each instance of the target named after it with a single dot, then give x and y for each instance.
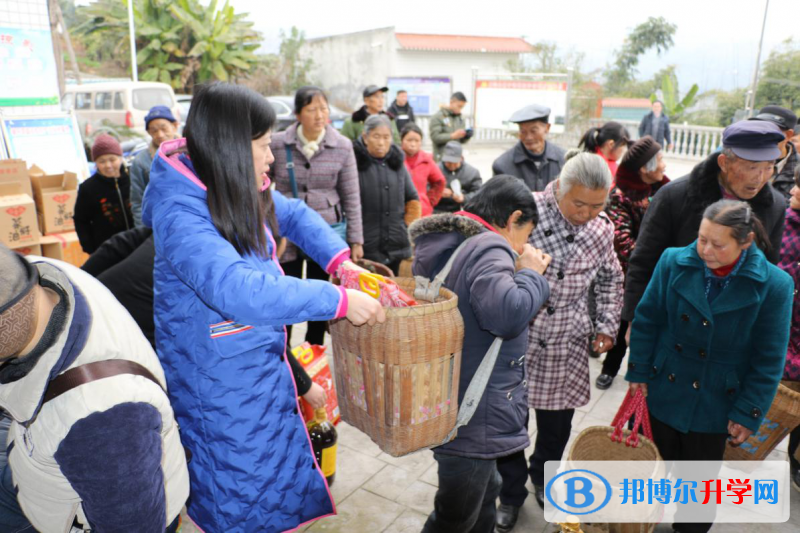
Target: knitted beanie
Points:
(640, 153)
(104, 145)
(17, 302)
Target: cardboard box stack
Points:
(32, 202)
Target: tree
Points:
(780, 77)
(654, 33)
(674, 105)
(284, 72)
(179, 42)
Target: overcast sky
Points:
(715, 44)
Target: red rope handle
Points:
(635, 405)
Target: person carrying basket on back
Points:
(709, 339)
(498, 279)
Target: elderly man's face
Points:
(533, 135)
(580, 205)
(402, 99)
(742, 178)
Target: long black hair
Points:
(410, 128)
(595, 137)
(223, 121)
(500, 197)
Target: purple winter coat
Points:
(328, 183)
(494, 301)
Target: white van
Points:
(121, 103)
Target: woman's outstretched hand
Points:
(364, 309)
(315, 396)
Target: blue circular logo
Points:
(585, 491)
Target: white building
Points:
(345, 64)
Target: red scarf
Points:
(612, 166)
(476, 218)
(721, 272)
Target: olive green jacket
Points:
(442, 125)
(354, 125)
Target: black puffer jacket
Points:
(673, 220)
(495, 301)
(387, 197)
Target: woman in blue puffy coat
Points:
(221, 307)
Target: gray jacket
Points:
(471, 182)
(140, 177)
(495, 301)
(517, 162)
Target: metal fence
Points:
(688, 141)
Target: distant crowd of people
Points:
(158, 374)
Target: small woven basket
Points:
(782, 418)
(398, 381)
(595, 444)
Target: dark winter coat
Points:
(386, 189)
(102, 209)
(402, 114)
(517, 162)
(471, 182)
(495, 301)
(124, 264)
(662, 132)
(673, 220)
(784, 179)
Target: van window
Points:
(102, 101)
(279, 107)
(68, 101)
(83, 100)
(144, 99)
(118, 105)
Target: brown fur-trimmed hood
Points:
(445, 223)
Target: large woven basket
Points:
(594, 444)
(398, 381)
(782, 418)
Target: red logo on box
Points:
(61, 198)
(15, 211)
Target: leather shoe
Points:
(604, 381)
(538, 491)
(506, 518)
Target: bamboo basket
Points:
(404, 270)
(398, 381)
(594, 444)
(782, 418)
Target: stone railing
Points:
(688, 142)
(481, 135)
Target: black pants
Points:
(552, 433)
(616, 354)
(315, 334)
(676, 446)
(794, 442)
(465, 500)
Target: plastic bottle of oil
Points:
(323, 440)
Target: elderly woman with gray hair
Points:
(389, 200)
(574, 229)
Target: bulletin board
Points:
(497, 100)
(426, 95)
(51, 142)
(29, 76)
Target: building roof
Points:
(463, 43)
(627, 102)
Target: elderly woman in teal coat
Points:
(709, 338)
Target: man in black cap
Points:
(448, 124)
(533, 160)
(786, 120)
(374, 98)
(463, 180)
(740, 172)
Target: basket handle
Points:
(635, 405)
